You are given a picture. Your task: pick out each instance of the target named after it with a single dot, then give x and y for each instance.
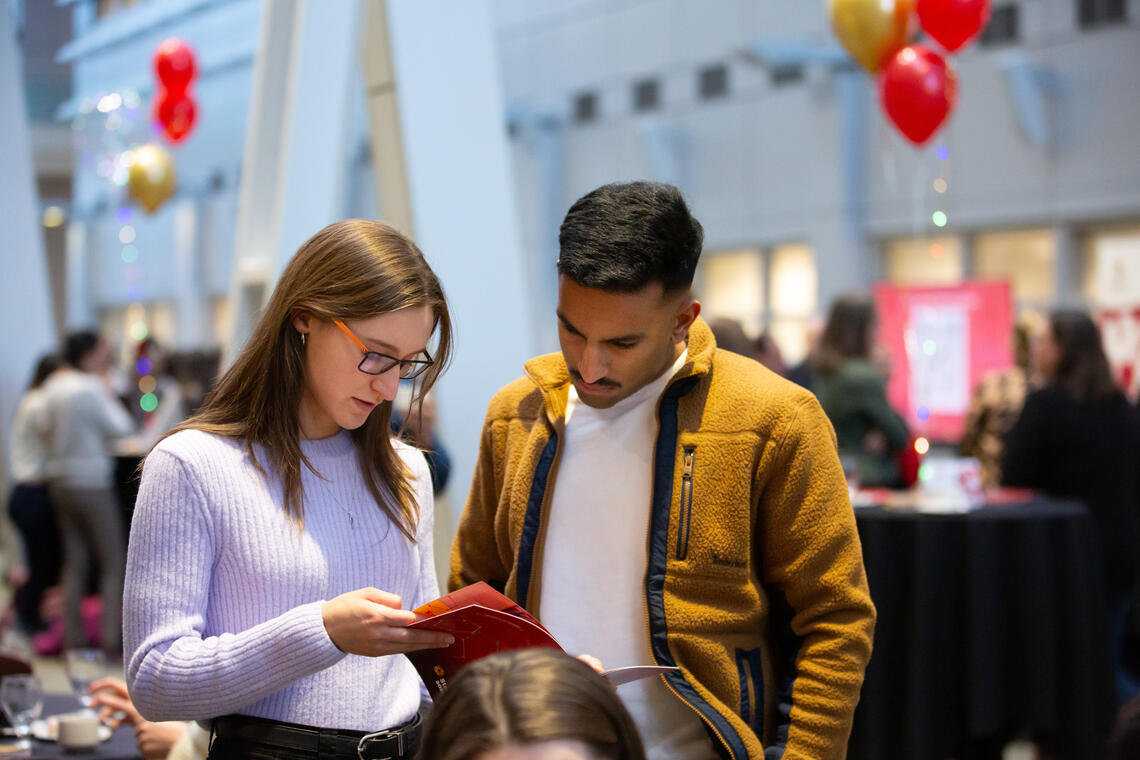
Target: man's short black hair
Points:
(624, 236)
(78, 344)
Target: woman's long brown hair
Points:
(354, 269)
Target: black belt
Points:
(391, 744)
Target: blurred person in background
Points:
(765, 351)
(801, 372)
(995, 406)
(81, 417)
(29, 504)
(1078, 437)
(416, 424)
(849, 374)
(730, 336)
(530, 704)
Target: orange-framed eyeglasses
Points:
(376, 363)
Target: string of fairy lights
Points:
(940, 219)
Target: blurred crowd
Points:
(1054, 421)
(79, 423)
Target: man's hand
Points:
(370, 622)
(592, 661)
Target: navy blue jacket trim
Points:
(789, 646)
(533, 518)
(663, 465)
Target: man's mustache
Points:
(605, 381)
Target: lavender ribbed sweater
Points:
(222, 610)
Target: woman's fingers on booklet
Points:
(592, 661)
(369, 622)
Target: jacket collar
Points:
(550, 374)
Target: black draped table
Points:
(121, 745)
(991, 627)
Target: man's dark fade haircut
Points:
(624, 236)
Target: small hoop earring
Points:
(302, 339)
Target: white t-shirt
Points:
(594, 558)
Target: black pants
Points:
(31, 511)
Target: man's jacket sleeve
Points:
(475, 553)
(812, 557)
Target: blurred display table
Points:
(990, 627)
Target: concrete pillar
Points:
(189, 289)
(845, 258)
(25, 295)
(454, 136)
(1067, 266)
(296, 143)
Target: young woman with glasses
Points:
(281, 535)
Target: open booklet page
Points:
(484, 622)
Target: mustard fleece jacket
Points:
(755, 585)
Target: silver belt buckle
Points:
(381, 735)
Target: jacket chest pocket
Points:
(712, 508)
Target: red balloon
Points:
(953, 22)
(176, 112)
(174, 65)
(918, 91)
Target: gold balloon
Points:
(151, 178)
(871, 30)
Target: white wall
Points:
(766, 164)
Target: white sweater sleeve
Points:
(173, 670)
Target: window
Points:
(1004, 26)
(924, 261)
(221, 317)
(585, 107)
(732, 286)
(1112, 267)
(1023, 257)
(788, 73)
(794, 296)
(107, 7)
(646, 95)
(1092, 13)
(774, 291)
(712, 82)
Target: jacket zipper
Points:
(686, 512)
(699, 715)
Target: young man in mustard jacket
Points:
(652, 499)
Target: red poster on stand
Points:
(942, 342)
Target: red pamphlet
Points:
(484, 622)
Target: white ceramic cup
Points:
(78, 731)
